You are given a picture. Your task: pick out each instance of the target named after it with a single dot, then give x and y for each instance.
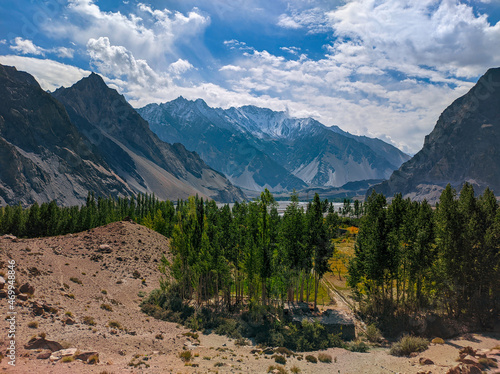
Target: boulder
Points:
(37, 308)
(3, 294)
(467, 351)
(69, 321)
(27, 288)
(470, 360)
(104, 248)
(455, 370)
(425, 361)
(44, 355)
(57, 355)
(22, 296)
(2, 282)
(41, 343)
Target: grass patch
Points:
(115, 325)
(358, 346)
(33, 325)
(67, 359)
(185, 356)
(409, 344)
(279, 359)
(295, 369)
(280, 369)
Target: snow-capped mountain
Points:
(259, 148)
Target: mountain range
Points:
(88, 138)
(463, 147)
(258, 148)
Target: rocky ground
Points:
(82, 293)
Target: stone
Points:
(454, 370)
(3, 294)
(40, 343)
(57, 355)
(37, 308)
(22, 296)
(470, 360)
(69, 321)
(470, 369)
(425, 361)
(27, 288)
(43, 355)
(104, 248)
(2, 282)
(468, 351)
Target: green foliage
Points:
(358, 346)
(409, 344)
(185, 356)
(373, 334)
(279, 359)
(75, 280)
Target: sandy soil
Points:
(108, 278)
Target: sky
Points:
(384, 69)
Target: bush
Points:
(312, 359)
(373, 333)
(33, 325)
(115, 325)
(185, 356)
(358, 346)
(284, 351)
(75, 280)
(437, 341)
(279, 359)
(295, 369)
(106, 307)
(94, 359)
(280, 369)
(409, 344)
(88, 321)
(326, 358)
(67, 359)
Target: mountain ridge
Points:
(302, 151)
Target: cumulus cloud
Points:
(27, 47)
(147, 32)
(179, 67)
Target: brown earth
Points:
(48, 264)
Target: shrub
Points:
(185, 356)
(190, 334)
(358, 346)
(75, 280)
(326, 358)
(67, 359)
(437, 341)
(373, 333)
(312, 359)
(104, 292)
(115, 325)
(68, 313)
(280, 369)
(295, 369)
(159, 336)
(106, 307)
(241, 342)
(33, 325)
(487, 362)
(409, 344)
(284, 351)
(94, 359)
(279, 359)
(88, 321)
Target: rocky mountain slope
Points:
(88, 138)
(43, 156)
(257, 147)
(463, 147)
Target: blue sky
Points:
(384, 69)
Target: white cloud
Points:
(148, 33)
(27, 47)
(179, 67)
(49, 73)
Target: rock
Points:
(455, 370)
(57, 355)
(413, 354)
(37, 308)
(472, 370)
(22, 296)
(86, 355)
(425, 361)
(424, 372)
(122, 352)
(104, 248)
(468, 351)
(470, 360)
(2, 282)
(27, 288)
(11, 237)
(43, 355)
(69, 321)
(40, 343)
(3, 294)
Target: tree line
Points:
(410, 257)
